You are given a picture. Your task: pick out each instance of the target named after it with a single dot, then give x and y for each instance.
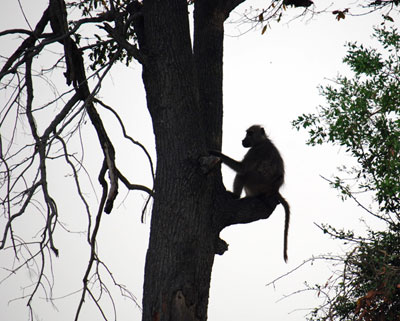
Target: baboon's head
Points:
(254, 135)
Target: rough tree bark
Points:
(184, 97)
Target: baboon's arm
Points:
(233, 164)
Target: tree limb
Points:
(121, 40)
(26, 44)
(137, 143)
(92, 238)
(245, 210)
(61, 116)
(13, 31)
(134, 186)
(232, 211)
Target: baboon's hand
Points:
(207, 163)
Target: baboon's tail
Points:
(285, 204)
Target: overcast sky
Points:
(269, 79)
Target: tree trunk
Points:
(180, 254)
(184, 97)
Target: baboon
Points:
(260, 173)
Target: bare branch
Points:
(14, 31)
(40, 275)
(26, 44)
(134, 186)
(41, 150)
(92, 238)
(8, 228)
(129, 137)
(350, 194)
(61, 116)
(64, 145)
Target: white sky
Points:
(268, 79)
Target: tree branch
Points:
(121, 40)
(232, 211)
(134, 186)
(27, 43)
(61, 116)
(76, 75)
(245, 210)
(13, 31)
(92, 238)
(137, 143)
